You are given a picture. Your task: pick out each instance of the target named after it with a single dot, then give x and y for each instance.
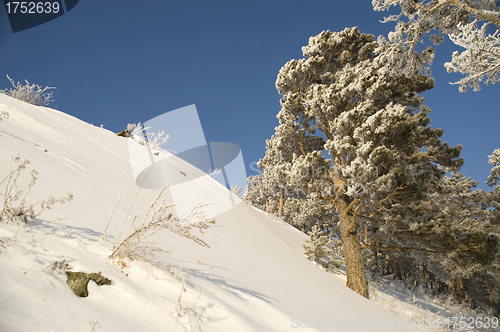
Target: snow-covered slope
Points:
(253, 277)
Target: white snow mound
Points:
(253, 277)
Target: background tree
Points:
(453, 248)
(494, 177)
(274, 179)
(276, 193)
(375, 128)
(459, 20)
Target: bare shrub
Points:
(152, 140)
(33, 94)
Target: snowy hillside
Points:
(252, 277)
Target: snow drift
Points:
(253, 277)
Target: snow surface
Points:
(253, 277)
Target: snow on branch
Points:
(481, 56)
(455, 18)
(494, 177)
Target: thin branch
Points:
(477, 12)
(394, 235)
(363, 246)
(401, 187)
(351, 205)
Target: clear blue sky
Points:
(121, 61)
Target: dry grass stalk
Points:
(135, 247)
(23, 212)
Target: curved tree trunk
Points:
(355, 267)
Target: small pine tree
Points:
(318, 248)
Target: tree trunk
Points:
(354, 264)
(491, 289)
(492, 293)
(440, 286)
(282, 202)
(459, 289)
(397, 269)
(462, 286)
(375, 267)
(426, 276)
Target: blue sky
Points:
(116, 62)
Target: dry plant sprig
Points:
(126, 247)
(135, 247)
(179, 308)
(3, 115)
(23, 212)
(59, 266)
(94, 325)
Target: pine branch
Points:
(394, 248)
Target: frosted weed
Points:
(15, 207)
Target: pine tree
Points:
(452, 242)
(318, 246)
(274, 192)
(494, 177)
(465, 240)
(375, 128)
(255, 194)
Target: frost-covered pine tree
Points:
(275, 174)
(460, 21)
(305, 211)
(493, 210)
(494, 177)
(465, 236)
(274, 192)
(466, 233)
(317, 248)
(323, 247)
(453, 239)
(254, 193)
(375, 128)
